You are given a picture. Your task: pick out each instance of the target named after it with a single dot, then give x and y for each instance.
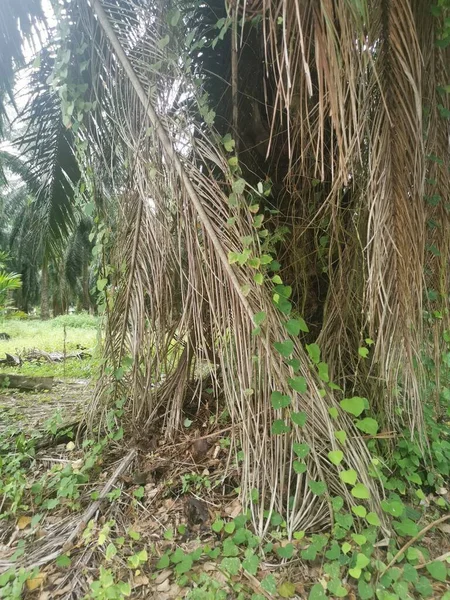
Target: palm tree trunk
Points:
(85, 285)
(45, 309)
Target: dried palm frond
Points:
(349, 91)
(177, 277)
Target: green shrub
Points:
(17, 314)
(79, 321)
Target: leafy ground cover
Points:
(82, 516)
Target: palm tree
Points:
(9, 281)
(222, 125)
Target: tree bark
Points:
(45, 308)
(86, 303)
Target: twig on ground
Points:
(414, 539)
(438, 559)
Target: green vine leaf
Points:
(280, 400)
(231, 565)
(269, 584)
(299, 467)
(360, 511)
(368, 425)
(298, 384)
(301, 450)
(285, 348)
(317, 487)
(349, 476)
(228, 143)
(279, 427)
(373, 519)
(251, 564)
(341, 436)
(317, 592)
(438, 571)
(323, 372)
(314, 352)
(355, 406)
(285, 551)
(295, 364)
(294, 326)
(238, 186)
(360, 491)
(336, 457)
(259, 318)
(299, 418)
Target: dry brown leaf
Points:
(23, 522)
(140, 580)
(36, 582)
(234, 509)
(164, 586)
(163, 576)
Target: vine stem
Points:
(414, 539)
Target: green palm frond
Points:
(19, 21)
(53, 170)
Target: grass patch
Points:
(80, 331)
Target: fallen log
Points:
(55, 356)
(23, 382)
(11, 359)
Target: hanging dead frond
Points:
(177, 279)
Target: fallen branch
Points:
(438, 559)
(55, 356)
(85, 518)
(22, 382)
(414, 539)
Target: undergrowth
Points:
(354, 559)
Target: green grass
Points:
(81, 330)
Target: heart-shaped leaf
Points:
(279, 427)
(336, 456)
(368, 425)
(373, 519)
(301, 450)
(298, 384)
(341, 436)
(259, 318)
(299, 418)
(285, 551)
(438, 571)
(349, 476)
(354, 406)
(323, 372)
(317, 487)
(360, 491)
(285, 348)
(360, 511)
(294, 326)
(299, 467)
(279, 400)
